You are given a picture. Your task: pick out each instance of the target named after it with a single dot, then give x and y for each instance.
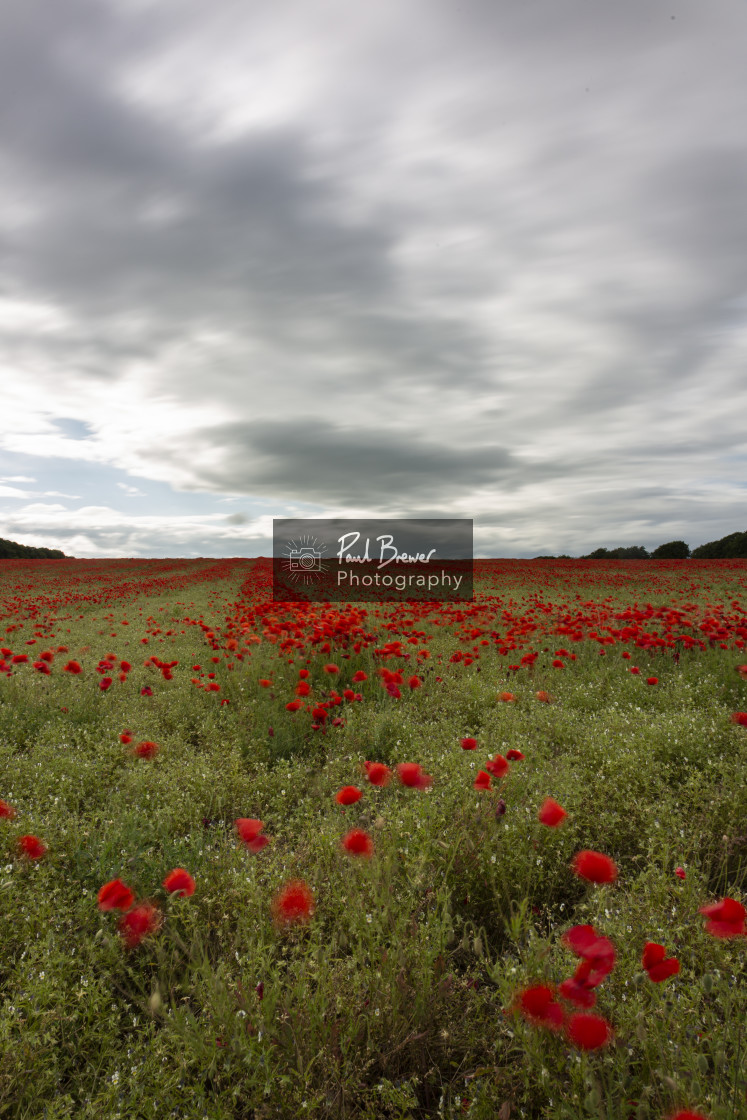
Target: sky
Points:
(417, 258)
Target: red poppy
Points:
(319, 714)
(19, 659)
(294, 705)
(482, 781)
(558, 664)
(507, 697)
(595, 867)
(146, 749)
(538, 1005)
(551, 813)
(31, 847)
(303, 674)
(332, 669)
(740, 718)
(634, 669)
(498, 766)
(348, 795)
(265, 683)
(411, 774)
(7, 812)
(578, 992)
(679, 872)
(146, 691)
(180, 882)
(545, 697)
(377, 773)
(125, 666)
(652, 680)
(249, 829)
(513, 755)
(469, 744)
(597, 953)
(359, 676)
(414, 682)
(725, 918)
(294, 904)
(105, 683)
(358, 843)
(655, 964)
(115, 895)
(72, 667)
(742, 670)
(588, 1032)
(686, 1114)
(125, 737)
(139, 923)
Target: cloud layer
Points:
(480, 260)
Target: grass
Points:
(394, 1001)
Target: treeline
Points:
(10, 550)
(733, 547)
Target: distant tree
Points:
(733, 547)
(634, 552)
(11, 550)
(672, 550)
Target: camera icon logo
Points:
(304, 559)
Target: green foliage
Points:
(394, 1003)
(10, 550)
(731, 547)
(672, 550)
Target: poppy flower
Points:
(513, 755)
(655, 964)
(740, 718)
(411, 774)
(578, 992)
(146, 749)
(7, 812)
(265, 683)
(597, 953)
(139, 923)
(595, 867)
(538, 1005)
(507, 697)
(294, 705)
(545, 697)
(359, 676)
(635, 670)
(498, 766)
(115, 895)
(482, 781)
(180, 882)
(146, 691)
(31, 847)
(588, 1032)
(358, 843)
(414, 682)
(377, 773)
(72, 667)
(680, 872)
(303, 674)
(742, 670)
(125, 737)
(469, 744)
(725, 918)
(331, 669)
(394, 691)
(686, 1114)
(249, 829)
(652, 680)
(294, 904)
(105, 683)
(551, 813)
(348, 795)
(558, 664)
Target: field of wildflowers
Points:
(373, 861)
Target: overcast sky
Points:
(418, 258)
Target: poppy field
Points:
(373, 860)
